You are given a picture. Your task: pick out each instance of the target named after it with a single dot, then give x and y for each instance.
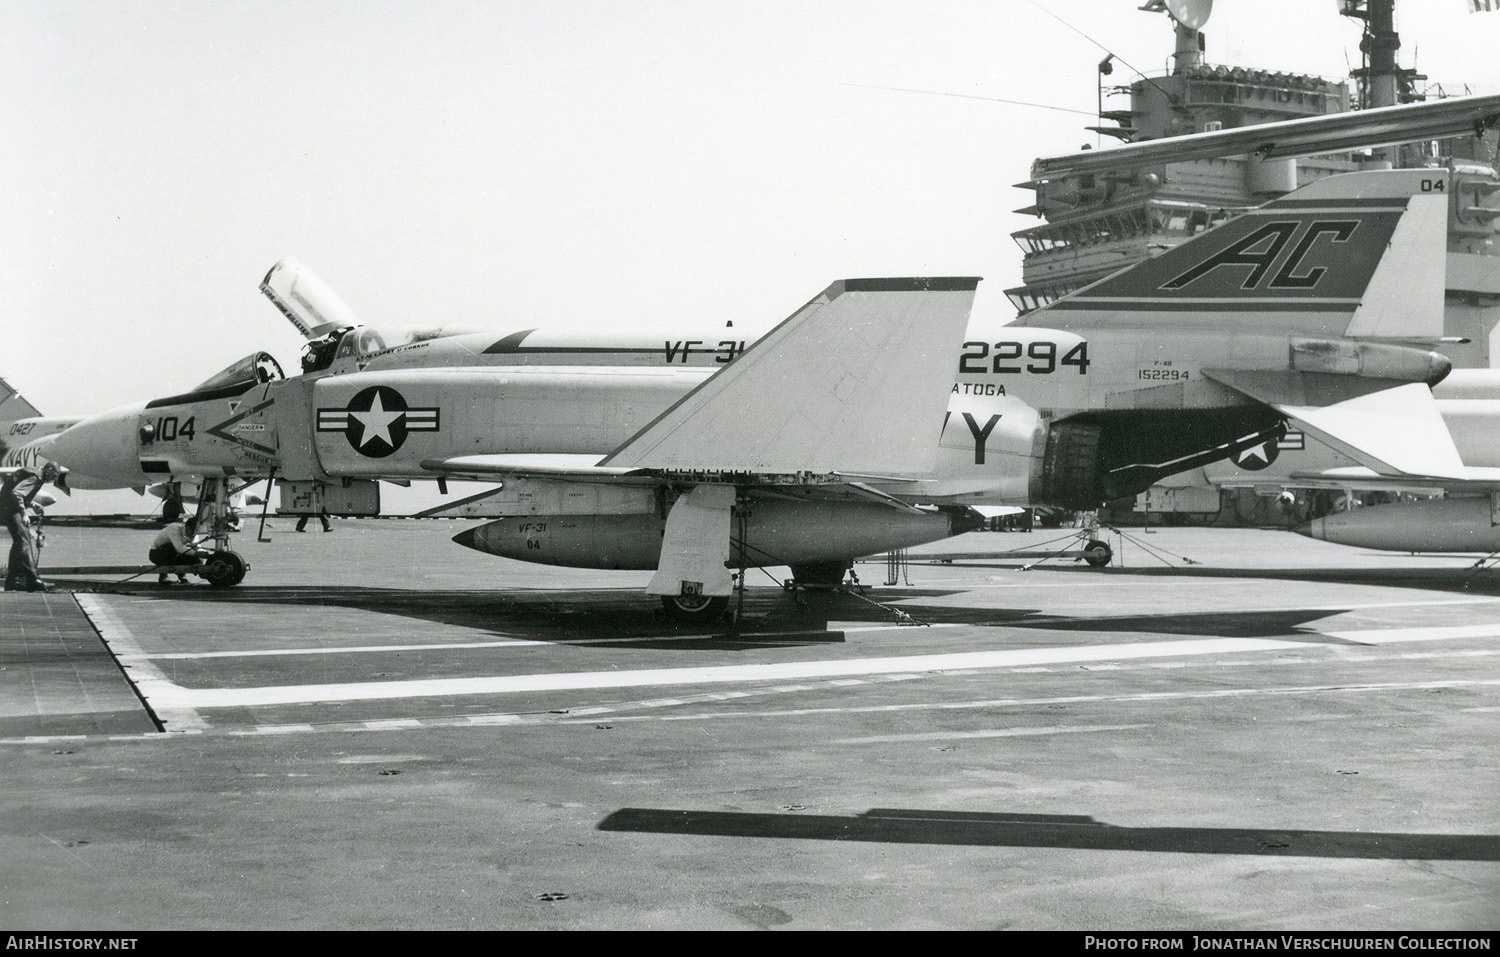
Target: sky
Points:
(554, 164)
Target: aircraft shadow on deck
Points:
(624, 619)
(1064, 831)
(603, 618)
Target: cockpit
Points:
(254, 369)
(348, 348)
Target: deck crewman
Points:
(16, 494)
(175, 546)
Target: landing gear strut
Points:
(224, 567)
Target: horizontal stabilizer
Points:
(1390, 427)
(854, 381)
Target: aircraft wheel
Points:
(1098, 553)
(820, 573)
(694, 609)
(223, 569)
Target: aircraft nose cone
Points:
(104, 447)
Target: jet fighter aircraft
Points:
(822, 442)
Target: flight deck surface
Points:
(378, 729)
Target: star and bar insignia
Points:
(377, 420)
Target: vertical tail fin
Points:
(1358, 254)
(13, 407)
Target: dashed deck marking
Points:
(586, 716)
(1071, 699)
(988, 733)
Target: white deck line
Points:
(176, 697)
(153, 686)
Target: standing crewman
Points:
(16, 493)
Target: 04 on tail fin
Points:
(1356, 255)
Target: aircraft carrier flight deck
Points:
(375, 730)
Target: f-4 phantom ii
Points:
(867, 421)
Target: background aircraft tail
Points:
(13, 407)
(1357, 254)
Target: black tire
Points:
(225, 569)
(827, 574)
(1098, 553)
(694, 609)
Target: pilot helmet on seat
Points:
(318, 353)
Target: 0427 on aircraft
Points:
(865, 422)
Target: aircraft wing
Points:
(1393, 428)
(1334, 133)
(852, 382)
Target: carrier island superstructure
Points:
(1100, 222)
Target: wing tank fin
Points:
(695, 544)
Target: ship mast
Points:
(1382, 82)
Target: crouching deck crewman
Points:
(175, 546)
